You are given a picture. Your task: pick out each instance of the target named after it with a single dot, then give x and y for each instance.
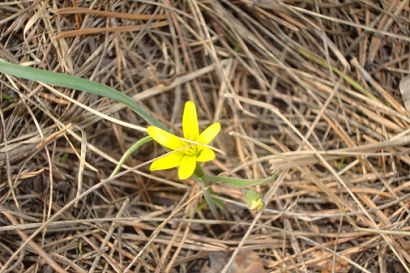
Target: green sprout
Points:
(186, 152)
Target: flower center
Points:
(191, 151)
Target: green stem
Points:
(199, 173)
(208, 198)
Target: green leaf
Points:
(240, 183)
(73, 82)
(6, 97)
(64, 157)
(350, 80)
(220, 204)
(341, 162)
(130, 150)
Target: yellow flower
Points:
(188, 154)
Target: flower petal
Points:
(187, 168)
(190, 122)
(209, 133)
(165, 138)
(169, 161)
(205, 154)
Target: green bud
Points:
(254, 200)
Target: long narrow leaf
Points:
(73, 82)
(240, 183)
(130, 150)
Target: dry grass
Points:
(304, 87)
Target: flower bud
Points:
(254, 200)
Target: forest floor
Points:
(314, 92)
